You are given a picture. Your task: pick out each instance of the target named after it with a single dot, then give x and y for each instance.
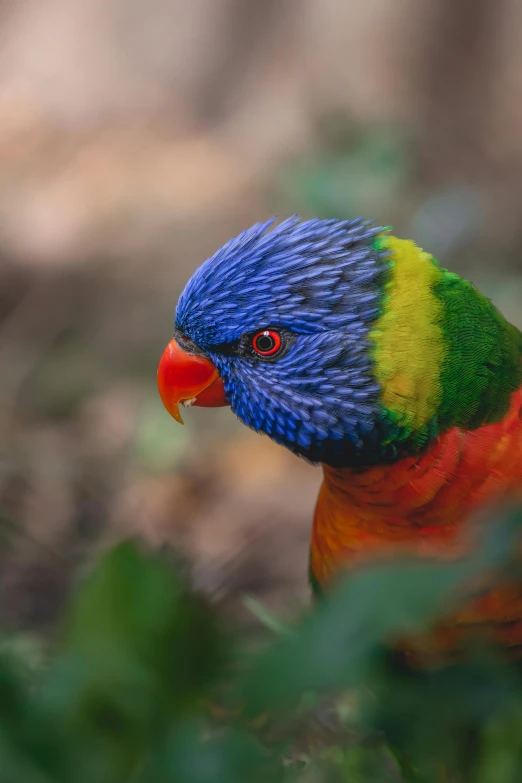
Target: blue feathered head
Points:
(284, 316)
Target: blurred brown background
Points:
(136, 136)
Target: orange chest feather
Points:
(420, 504)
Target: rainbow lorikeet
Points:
(356, 350)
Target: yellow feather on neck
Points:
(408, 339)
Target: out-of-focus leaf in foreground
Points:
(124, 697)
(140, 650)
(187, 756)
(338, 645)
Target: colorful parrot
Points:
(358, 351)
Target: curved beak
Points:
(188, 378)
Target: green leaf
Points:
(135, 606)
(190, 755)
(337, 645)
(267, 618)
(140, 649)
(501, 759)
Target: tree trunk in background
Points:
(456, 82)
(248, 26)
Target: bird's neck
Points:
(418, 504)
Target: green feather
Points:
(482, 362)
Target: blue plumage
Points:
(320, 284)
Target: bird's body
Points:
(357, 350)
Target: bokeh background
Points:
(136, 136)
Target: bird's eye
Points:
(266, 343)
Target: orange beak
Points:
(188, 378)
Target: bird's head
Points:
(278, 324)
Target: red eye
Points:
(266, 343)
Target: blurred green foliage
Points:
(354, 170)
(130, 689)
(370, 171)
